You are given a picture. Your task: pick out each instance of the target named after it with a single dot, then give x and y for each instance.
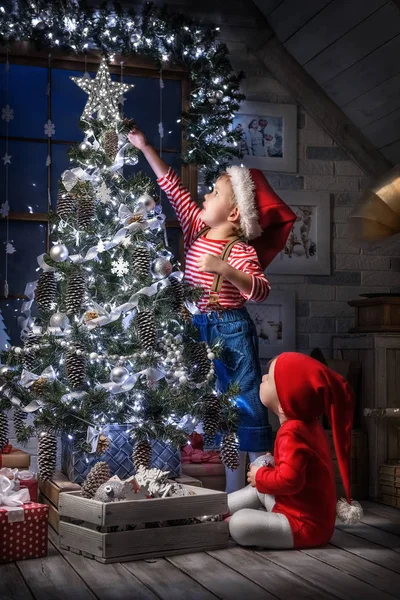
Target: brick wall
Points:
(322, 308)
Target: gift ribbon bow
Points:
(28, 378)
(12, 500)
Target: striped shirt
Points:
(242, 257)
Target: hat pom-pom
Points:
(349, 513)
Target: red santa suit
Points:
(302, 480)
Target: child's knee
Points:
(239, 527)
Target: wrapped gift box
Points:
(15, 459)
(24, 539)
(25, 478)
(118, 456)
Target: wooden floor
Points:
(361, 562)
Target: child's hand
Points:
(251, 475)
(208, 263)
(137, 138)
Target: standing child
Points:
(298, 493)
(240, 207)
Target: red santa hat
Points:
(265, 219)
(311, 391)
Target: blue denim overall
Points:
(241, 365)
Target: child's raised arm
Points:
(138, 139)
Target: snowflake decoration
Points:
(103, 194)
(7, 159)
(100, 246)
(122, 100)
(120, 267)
(126, 242)
(7, 113)
(49, 128)
(10, 249)
(48, 160)
(5, 209)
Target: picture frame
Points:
(308, 248)
(275, 321)
(269, 140)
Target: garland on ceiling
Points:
(168, 39)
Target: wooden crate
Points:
(87, 526)
(389, 484)
(377, 315)
(49, 493)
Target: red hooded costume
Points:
(303, 480)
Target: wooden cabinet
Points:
(379, 355)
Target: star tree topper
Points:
(103, 93)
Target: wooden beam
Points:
(274, 56)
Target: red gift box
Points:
(32, 485)
(24, 539)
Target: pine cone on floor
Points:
(85, 211)
(75, 366)
(3, 430)
(19, 419)
(65, 204)
(230, 451)
(45, 291)
(32, 339)
(141, 455)
(47, 454)
(75, 292)
(141, 261)
(196, 360)
(177, 288)
(111, 144)
(100, 473)
(146, 329)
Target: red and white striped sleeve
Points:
(244, 258)
(186, 209)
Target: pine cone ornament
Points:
(37, 386)
(141, 261)
(146, 328)
(111, 144)
(211, 419)
(19, 422)
(75, 292)
(230, 451)
(85, 211)
(32, 339)
(178, 291)
(75, 366)
(141, 455)
(45, 292)
(185, 314)
(100, 473)
(65, 204)
(197, 361)
(47, 453)
(3, 430)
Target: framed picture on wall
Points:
(275, 321)
(268, 135)
(308, 248)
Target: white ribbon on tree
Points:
(28, 378)
(25, 320)
(70, 177)
(153, 374)
(120, 160)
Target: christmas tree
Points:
(113, 342)
(4, 339)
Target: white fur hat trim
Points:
(244, 190)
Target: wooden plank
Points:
(328, 25)
(317, 103)
(107, 582)
(12, 584)
(162, 577)
(379, 577)
(219, 579)
(384, 131)
(365, 549)
(52, 578)
(381, 523)
(392, 514)
(382, 538)
(368, 35)
(54, 515)
(278, 581)
(288, 18)
(267, 6)
(51, 488)
(376, 103)
(324, 576)
(366, 74)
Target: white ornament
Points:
(49, 128)
(120, 267)
(60, 320)
(183, 380)
(119, 375)
(7, 113)
(93, 355)
(103, 194)
(100, 247)
(59, 253)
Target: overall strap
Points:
(202, 231)
(218, 279)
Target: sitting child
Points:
(297, 495)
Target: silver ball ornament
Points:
(119, 375)
(93, 355)
(147, 201)
(17, 350)
(183, 379)
(59, 253)
(4, 370)
(59, 320)
(219, 94)
(161, 268)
